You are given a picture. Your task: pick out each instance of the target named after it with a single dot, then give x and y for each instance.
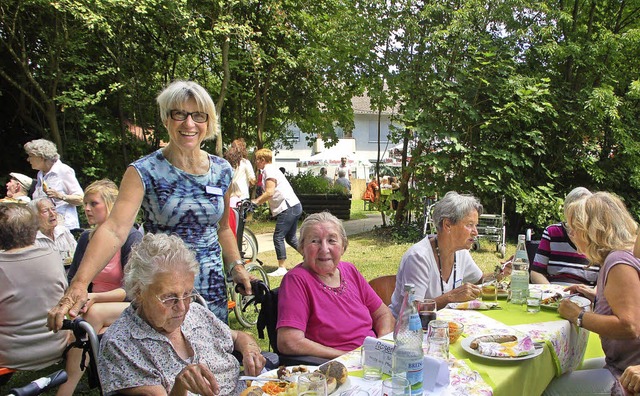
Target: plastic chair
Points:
(532, 248)
(384, 287)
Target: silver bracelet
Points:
(234, 265)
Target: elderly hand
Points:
(71, 303)
(630, 379)
(464, 292)
(253, 362)
(587, 291)
(569, 310)
(242, 277)
(197, 379)
(51, 193)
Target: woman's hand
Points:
(242, 277)
(253, 362)
(71, 303)
(197, 379)
(587, 291)
(630, 379)
(88, 304)
(464, 292)
(569, 310)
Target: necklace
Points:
(435, 240)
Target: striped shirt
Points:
(559, 261)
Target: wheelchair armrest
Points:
(308, 360)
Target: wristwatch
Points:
(233, 265)
(579, 319)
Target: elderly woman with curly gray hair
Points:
(165, 343)
(55, 180)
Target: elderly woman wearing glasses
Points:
(51, 234)
(182, 190)
(164, 343)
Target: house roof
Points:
(362, 105)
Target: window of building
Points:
(384, 131)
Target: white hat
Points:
(24, 180)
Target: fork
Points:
(261, 379)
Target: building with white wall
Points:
(361, 146)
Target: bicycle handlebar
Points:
(41, 384)
(254, 284)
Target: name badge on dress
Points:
(213, 190)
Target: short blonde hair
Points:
(178, 93)
(264, 154)
(604, 223)
(107, 190)
(321, 218)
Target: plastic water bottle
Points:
(520, 273)
(408, 356)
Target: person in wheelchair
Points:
(164, 343)
(325, 306)
(32, 279)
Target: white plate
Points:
(466, 345)
(273, 374)
(582, 302)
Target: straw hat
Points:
(24, 180)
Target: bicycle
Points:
(246, 307)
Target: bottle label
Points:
(415, 376)
(414, 322)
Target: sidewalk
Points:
(352, 227)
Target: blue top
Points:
(190, 206)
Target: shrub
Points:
(308, 183)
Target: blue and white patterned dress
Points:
(190, 206)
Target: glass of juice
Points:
(427, 311)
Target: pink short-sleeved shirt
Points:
(335, 317)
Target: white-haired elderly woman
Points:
(182, 190)
(325, 306)
(50, 234)
(440, 265)
(55, 180)
(164, 342)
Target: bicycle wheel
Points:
(249, 246)
(246, 309)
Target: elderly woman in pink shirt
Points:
(325, 306)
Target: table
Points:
(564, 349)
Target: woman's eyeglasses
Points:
(170, 302)
(196, 116)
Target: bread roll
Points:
(335, 370)
(332, 385)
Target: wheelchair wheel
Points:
(246, 309)
(249, 246)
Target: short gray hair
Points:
(455, 207)
(34, 204)
(42, 148)
(18, 226)
(156, 253)
(178, 93)
(342, 173)
(320, 218)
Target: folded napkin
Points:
(473, 304)
(518, 348)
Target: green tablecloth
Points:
(527, 377)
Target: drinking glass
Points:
(427, 311)
(372, 360)
(533, 300)
(312, 384)
(438, 339)
(396, 386)
(490, 288)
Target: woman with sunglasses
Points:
(182, 190)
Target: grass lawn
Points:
(373, 253)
